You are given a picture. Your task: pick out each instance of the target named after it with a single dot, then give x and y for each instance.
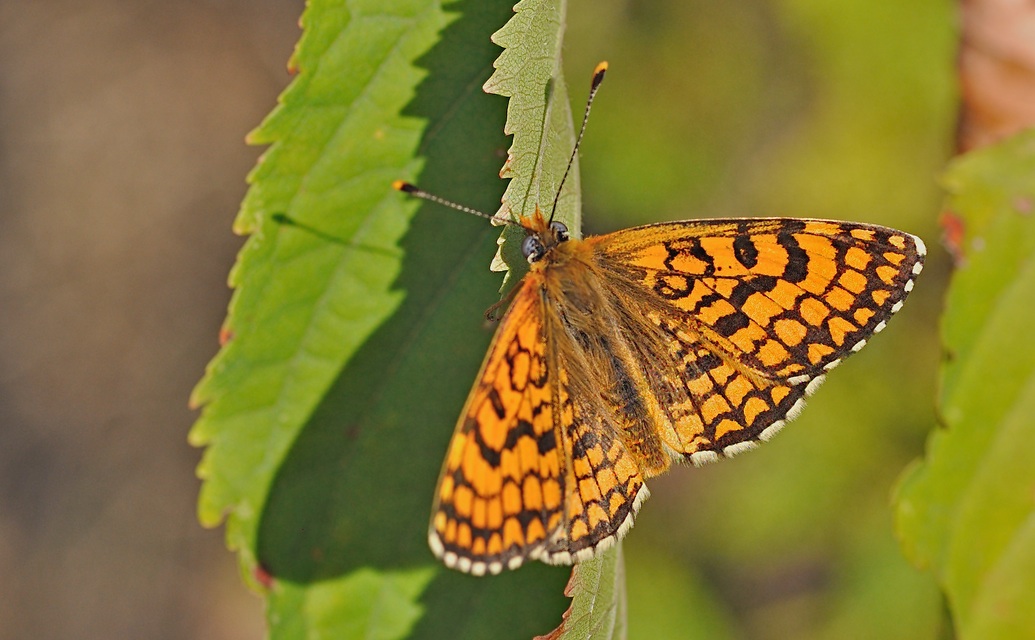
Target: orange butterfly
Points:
(621, 353)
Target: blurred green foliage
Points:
(810, 108)
(966, 513)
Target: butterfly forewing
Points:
(752, 312)
(501, 486)
(534, 469)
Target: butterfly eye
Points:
(560, 231)
(532, 248)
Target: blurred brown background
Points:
(122, 163)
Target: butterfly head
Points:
(541, 236)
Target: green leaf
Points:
(598, 607)
(539, 117)
(968, 512)
(367, 604)
(356, 325)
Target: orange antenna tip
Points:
(598, 75)
(402, 185)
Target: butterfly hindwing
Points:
(604, 486)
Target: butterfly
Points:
(623, 353)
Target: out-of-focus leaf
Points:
(670, 601)
(967, 511)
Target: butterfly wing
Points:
(500, 491)
(603, 484)
(694, 338)
(534, 469)
(736, 321)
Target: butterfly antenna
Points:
(413, 190)
(598, 77)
